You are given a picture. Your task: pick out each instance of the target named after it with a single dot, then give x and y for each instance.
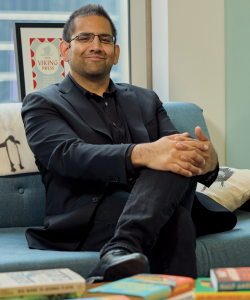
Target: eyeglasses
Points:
(89, 37)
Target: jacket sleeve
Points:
(167, 128)
(57, 146)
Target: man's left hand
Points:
(209, 154)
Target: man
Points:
(119, 178)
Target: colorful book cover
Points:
(231, 279)
(40, 282)
(46, 62)
(148, 286)
(204, 291)
(76, 295)
(179, 284)
(117, 297)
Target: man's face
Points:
(95, 59)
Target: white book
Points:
(40, 282)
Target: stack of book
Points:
(150, 286)
(57, 284)
(53, 284)
(224, 284)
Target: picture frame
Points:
(37, 55)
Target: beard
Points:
(91, 69)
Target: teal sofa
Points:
(22, 205)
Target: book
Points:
(76, 295)
(204, 290)
(148, 286)
(116, 297)
(185, 296)
(42, 282)
(230, 279)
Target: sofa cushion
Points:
(225, 249)
(22, 200)
(231, 188)
(16, 256)
(15, 154)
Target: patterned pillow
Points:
(231, 188)
(15, 154)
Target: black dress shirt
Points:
(112, 115)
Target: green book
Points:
(48, 297)
(204, 290)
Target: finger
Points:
(196, 155)
(172, 137)
(175, 168)
(183, 138)
(191, 168)
(192, 152)
(200, 134)
(191, 161)
(198, 145)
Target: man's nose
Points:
(96, 45)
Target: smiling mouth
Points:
(95, 57)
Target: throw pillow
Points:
(231, 188)
(15, 154)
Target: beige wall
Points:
(197, 61)
(140, 37)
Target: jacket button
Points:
(95, 199)
(21, 191)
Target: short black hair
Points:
(86, 10)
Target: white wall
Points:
(160, 75)
(197, 61)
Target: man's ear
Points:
(117, 54)
(64, 50)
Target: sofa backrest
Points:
(186, 116)
(22, 196)
(22, 200)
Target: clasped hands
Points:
(177, 153)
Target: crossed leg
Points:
(154, 220)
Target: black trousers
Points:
(154, 219)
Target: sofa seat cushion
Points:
(16, 256)
(225, 249)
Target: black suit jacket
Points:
(76, 154)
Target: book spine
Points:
(227, 286)
(234, 286)
(222, 296)
(48, 297)
(178, 291)
(157, 296)
(43, 289)
(243, 285)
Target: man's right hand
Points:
(163, 155)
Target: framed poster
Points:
(37, 55)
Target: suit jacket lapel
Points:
(129, 103)
(72, 94)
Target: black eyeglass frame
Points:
(93, 36)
